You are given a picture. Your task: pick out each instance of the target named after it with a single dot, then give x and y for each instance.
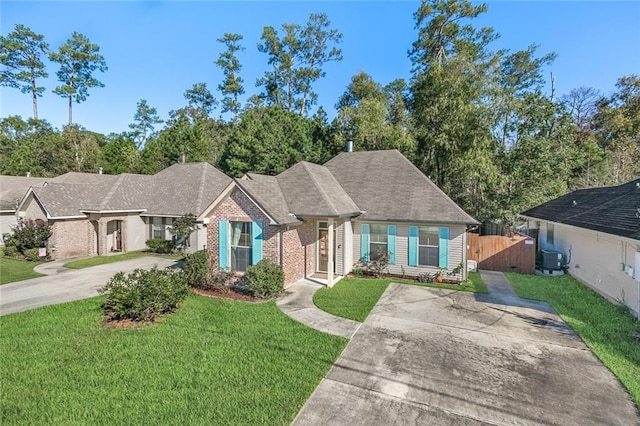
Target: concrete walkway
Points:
(501, 293)
(65, 285)
(297, 302)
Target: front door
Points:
(323, 250)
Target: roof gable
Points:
(311, 190)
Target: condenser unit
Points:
(551, 260)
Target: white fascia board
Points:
(114, 211)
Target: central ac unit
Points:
(551, 260)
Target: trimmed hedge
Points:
(160, 246)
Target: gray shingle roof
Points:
(311, 190)
(64, 199)
(13, 188)
(185, 188)
(613, 210)
(388, 187)
(266, 192)
(177, 190)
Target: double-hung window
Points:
(428, 246)
(157, 228)
(377, 241)
(240, 244)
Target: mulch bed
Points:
(232, 293)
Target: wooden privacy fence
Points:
(516, 253)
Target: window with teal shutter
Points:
(413, 246)
(364, 242)
(391, 243)
(223, 245)
(256, 248)
(444, 248)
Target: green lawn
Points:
(212, 362)
(16, 270)
(609, 330)
(101, 260)
(354, 298)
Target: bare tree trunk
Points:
(34, 99)
(70, 113)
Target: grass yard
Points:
(212, 362)
(16, 270)
(101, 260)
(354, 298)
(607, 329)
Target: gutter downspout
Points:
(281, 248)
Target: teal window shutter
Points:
(391, 244)
(443, 244)
(223, 245)
(364, 242)
(413, 246)
(256, 245)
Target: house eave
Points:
(420, 221)
(622, 237)
(113, 211)
(67, 217)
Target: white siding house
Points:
(598, 232)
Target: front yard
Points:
(609, 330)
(354, 298)
(16, 270)
(212, 362)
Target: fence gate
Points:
(514, 253)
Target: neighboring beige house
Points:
(319, 220)
(598, 232)
(12, 190)
(98, 214)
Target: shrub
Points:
(143, 295)
(265, 279)
(31, 254)
(199, 273)
(377, 267)
(10, 251)
(158, 245)
(29, 234)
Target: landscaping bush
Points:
(158, 245)
(376, 267)
(199, 273)
(31, 254)
(265, 279)
(143, 295)
(10, 251)
(29, 234)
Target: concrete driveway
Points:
(65, 285)
(436, 357)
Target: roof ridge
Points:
(319, 186)
(112, 191)
(203, 175)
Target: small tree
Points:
(182, 228)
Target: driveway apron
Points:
(441, 357)
(65, 285)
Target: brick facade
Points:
(299, 252)
(298, 249)
(70, 238)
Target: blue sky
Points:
(157, 50)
